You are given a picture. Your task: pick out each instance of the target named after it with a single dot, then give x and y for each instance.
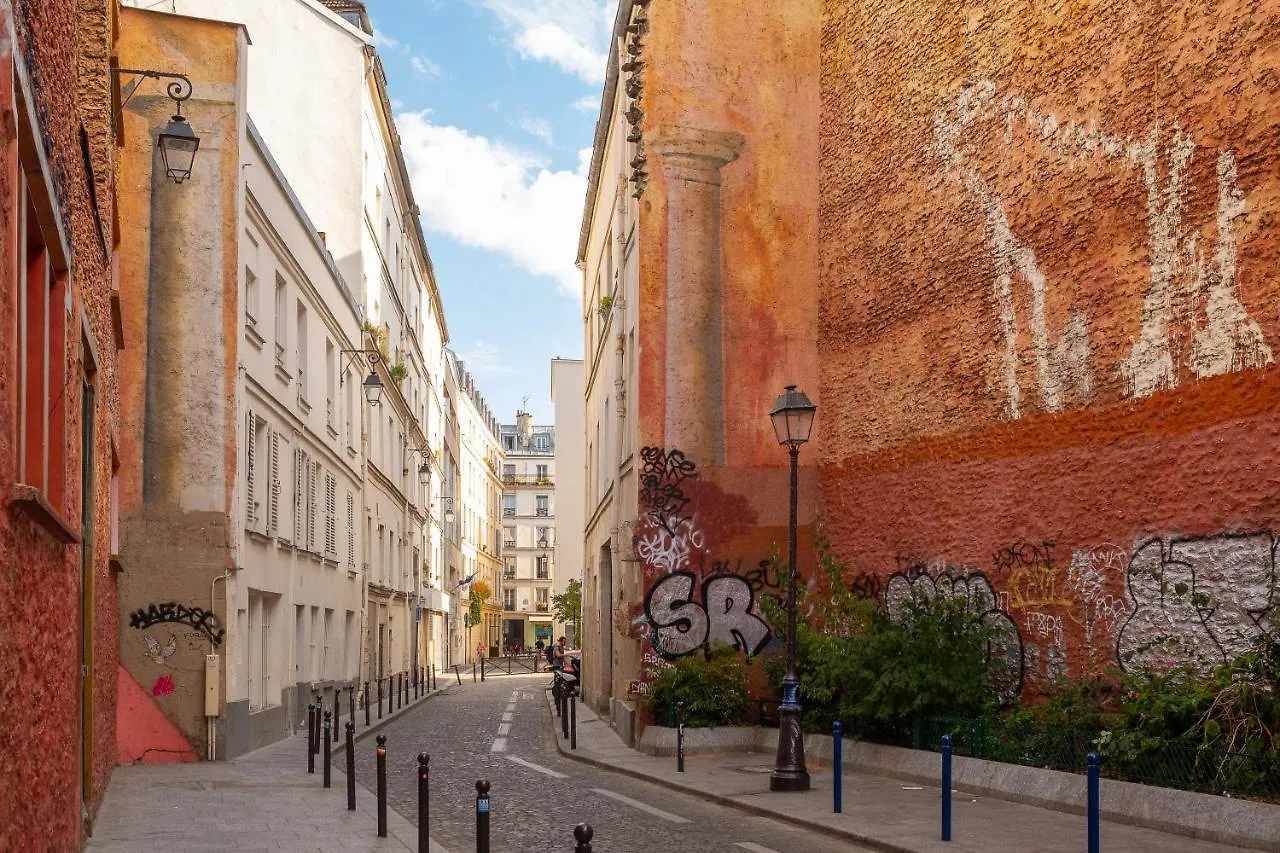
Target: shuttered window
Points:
(330, 516)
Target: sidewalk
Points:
(262, 801)
(878, 811)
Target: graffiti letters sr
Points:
(202, 620)
(682, 626)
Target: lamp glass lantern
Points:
(178, 144)
(792, 417)
(424, 474)
(373, 388)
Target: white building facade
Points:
(528, 531)
(378, 473)
(567, 376)
(609, 258)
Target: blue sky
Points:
(496, 102)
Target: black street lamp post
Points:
(792, 419)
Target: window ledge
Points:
(257, 534)
(283, 375)
(32, 502)
(251, 333)
(304, 405)
(333, 433)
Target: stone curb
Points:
(721, 799)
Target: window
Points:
(303, 366)
(257, 447)
(542, 505)
(508, 599)
(259, 642)
(542, 441)
(250, 296)
(41, 344)
(509, 568)
(330, 392)
(542, 473)
(509, 507)
(544, 537)
(315, 673)
(542, 596)
(509, 442)
(542, 567)
(282, 320)
(351, 531)
(508, 473)
(508, 537)
(330, 516)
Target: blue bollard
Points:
(1094, 842)
(837, 767)
(946, 787)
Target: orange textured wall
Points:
(64, 46)
(735, 83)
(1048, 327)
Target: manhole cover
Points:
(757, 768)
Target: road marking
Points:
(504, 729)
(544, 770)
(507, 717)
(510, 709)
(499, 745)
(644, 807)
(754, 848)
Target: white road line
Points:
(510, 709)
(499, 745)
(644, 807)
(504, 729)
(507, 717)
(544, 770)
(754, 848)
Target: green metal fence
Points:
(1206, 768)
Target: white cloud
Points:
(572, 34)
(539, 127)
(584, 161)
(491, 196)
(587, 104)
(485, 359)
(424, 67)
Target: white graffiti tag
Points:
(666, 551)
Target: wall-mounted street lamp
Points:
(177, 142)
(373, 382)
(448, 509)
(792, 417)
(424, 470)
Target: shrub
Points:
(713, 689)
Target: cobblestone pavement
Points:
(534, 808)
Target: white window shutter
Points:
(311, 505)
(273, 498)
(351, 531)
(299, 492)
(330, 516)
(250, 474)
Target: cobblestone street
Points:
(537, 796)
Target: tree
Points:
(567, 606)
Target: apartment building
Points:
(528, 531)
(608, 254)
(567, 377)
(479, 495)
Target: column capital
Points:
(695, 148)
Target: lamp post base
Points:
(789, 773)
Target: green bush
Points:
(713, 689)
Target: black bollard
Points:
(482, 669)
(473, 672)
(382, 785)
(311, 735)
(583, 834)
(837, 767)
(573, 719)
(457, 674)
(435, 678)
(564, 715)
(415, 684)
(379, 698)
(679, 737)
(424, 803)
(1093, 801)
(351, 766)
(555, 692)
(404, 686)
(328, 748)
(351, 703)
(315, 747)
(337, 711)
(946, 787)
(366, 703)
(482, 816)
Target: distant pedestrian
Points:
(539, 645)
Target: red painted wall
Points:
(64, 46)
(1048, 276)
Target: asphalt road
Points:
(501, 731)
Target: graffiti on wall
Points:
(1191, 289)
(204, 621)
(982, 604)
(1198, 601)
(158, 653)
(163, 686)
(694, 601)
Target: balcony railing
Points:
(509, 575)
(542, 511)
(543, 575)
(508, 543)
(527, 479)
(508, 511)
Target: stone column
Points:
(691, 160)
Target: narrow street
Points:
(538, 796)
